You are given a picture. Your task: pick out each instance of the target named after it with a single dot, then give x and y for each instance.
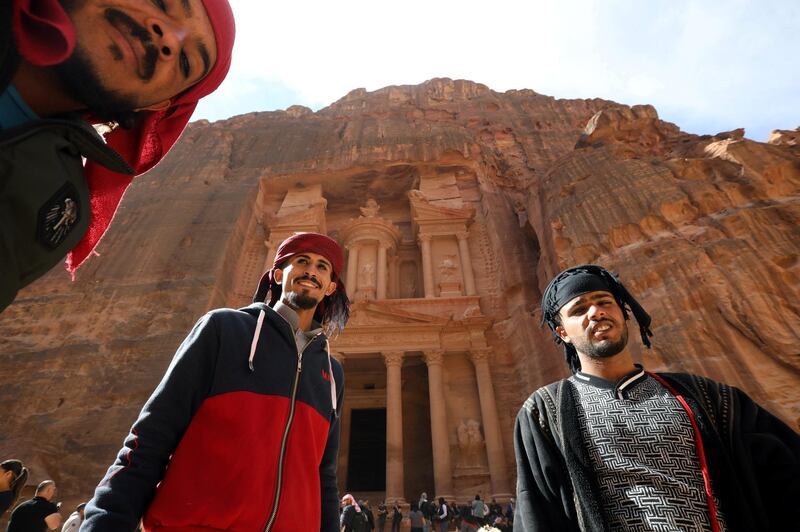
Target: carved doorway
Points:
(366, 463)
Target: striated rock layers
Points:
(704, 229)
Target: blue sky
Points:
(706, 66)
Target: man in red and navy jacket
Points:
(242, 433)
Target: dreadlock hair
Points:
(20, 478)
(627, 303)
(332, 312)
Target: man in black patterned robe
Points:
(615, 447)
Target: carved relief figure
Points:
(410, 288)
(408, 279)
(366, 277)
(470, 443)
(370, 210)
(474, 432)
(448, 267)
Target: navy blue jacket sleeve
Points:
(329, 495)
(122, 497)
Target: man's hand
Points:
(53, 521)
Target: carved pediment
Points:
(424, 212)
(370, 314)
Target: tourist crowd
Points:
(41, 512)
(427, 516)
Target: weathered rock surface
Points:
(704, 229)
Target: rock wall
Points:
(703, 229)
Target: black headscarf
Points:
(580, 280)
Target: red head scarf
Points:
(302, 243)
(45, 36)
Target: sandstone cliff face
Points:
(703, 229)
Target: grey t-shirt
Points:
(301, 337)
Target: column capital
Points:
(480, 355)
(393, 358)
(424, 237)
(462, 235)
(434, 357)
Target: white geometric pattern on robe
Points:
(643, 453)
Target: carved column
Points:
(381, 288)
(466, 263)
(394, 427)
(352, 270)
(442, 468)
(491, 425)
(395, 277)
(272, 250)
(427, 265)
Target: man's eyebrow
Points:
(584, 298)
(187, 8)
(206, 58)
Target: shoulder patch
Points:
(58, 216)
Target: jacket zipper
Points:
(278, 482)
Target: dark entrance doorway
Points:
(366, 463)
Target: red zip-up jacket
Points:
(221, 446)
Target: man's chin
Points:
(604, 348)
(300, 301)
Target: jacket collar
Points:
(619, 387)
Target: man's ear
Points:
(277, 276)
(331, 288)
(160, 106)
(562, 333)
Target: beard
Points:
(602, 348)
(300, 301)
(81, 79)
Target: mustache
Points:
(122, 20)
(307, 277)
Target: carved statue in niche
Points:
(470, 444)
(448, 268)
(370, 210)
(366, 276)
(366, 282)
(408, 280)
(410, 288)
(449, 282)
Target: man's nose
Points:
(596, 312)
(168, 36)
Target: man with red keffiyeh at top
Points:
(615, 447)
(138, 66)
(243, 431)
